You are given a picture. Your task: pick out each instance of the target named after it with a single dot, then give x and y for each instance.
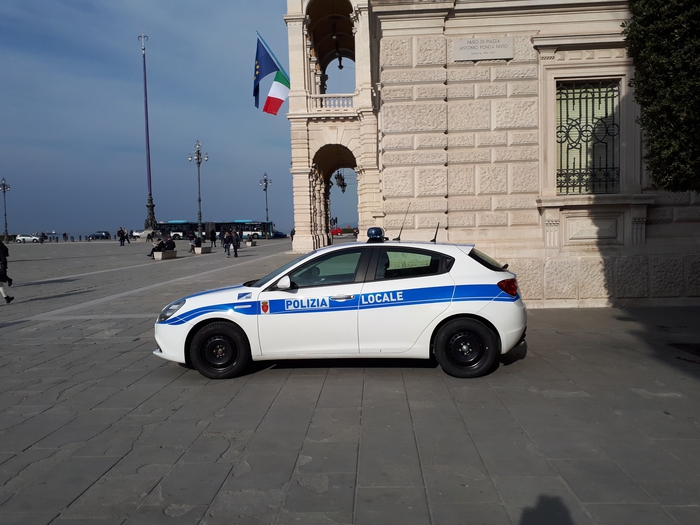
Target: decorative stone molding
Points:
(547, 46)
(638, 230)
(551, 233)
(597, 219)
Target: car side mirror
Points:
(284, 283)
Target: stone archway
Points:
(326, 161)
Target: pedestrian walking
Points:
(291, 233)
(212, 238)
(236, 243)
(228, 240)
(5, 280)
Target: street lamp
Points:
(265, 182)
(197, 157)
(340, 181)
(5, 187)
(150, 222)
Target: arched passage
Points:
(327, 162)
(331, 42)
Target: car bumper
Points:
(511, 322)
(171, 342)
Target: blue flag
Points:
(264, 65)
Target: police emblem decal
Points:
(265, 307)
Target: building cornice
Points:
(559, 42)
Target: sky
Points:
(72, 114)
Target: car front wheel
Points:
(220, 351)
(466, 348)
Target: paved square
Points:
(596, 420)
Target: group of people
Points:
(124, 236)
(231, 239)
(5, 280)
(160, 246)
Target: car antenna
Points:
(404, 222)
(436, 230)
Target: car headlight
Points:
(169, 310)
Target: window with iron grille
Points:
(588, 136)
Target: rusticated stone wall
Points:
(462, 143)
(602, 281)
(459, 140)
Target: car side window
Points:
(333, 269)
(395, 263)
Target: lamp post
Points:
(5, 187)
(265, 182)
(197, 156)
(150, 223)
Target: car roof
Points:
(424, 245)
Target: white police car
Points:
(401, 300)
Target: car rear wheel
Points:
(220, 351)
(466, 348)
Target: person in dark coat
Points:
(212, 238)
(158, 246)
(236, 242)
(5, 280)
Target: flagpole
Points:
(267, 48)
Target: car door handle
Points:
(342, 297)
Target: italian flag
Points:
(279, 91)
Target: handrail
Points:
(331, 102)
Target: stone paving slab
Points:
(595, 420)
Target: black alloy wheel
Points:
(220, 350)
(466, 348)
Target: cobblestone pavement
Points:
(595, 420)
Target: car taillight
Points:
(510, 286)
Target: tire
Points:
(466, 348)
(256, 236)
(34, 240)
(176, 237)
(220, 350)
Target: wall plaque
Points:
(491, 48)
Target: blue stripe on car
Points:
(388, 299)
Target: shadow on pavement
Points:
(257, 366)
(549, 510)
(672, 333)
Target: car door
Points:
(318, 314)
(407, 290)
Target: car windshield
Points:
(279, 271)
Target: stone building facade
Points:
(505, 123)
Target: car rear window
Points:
(400, 263)
(487, 261)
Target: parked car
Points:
(375, 299)
(278, 235)
(25, 237)
(337, 231)
(101, 235)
